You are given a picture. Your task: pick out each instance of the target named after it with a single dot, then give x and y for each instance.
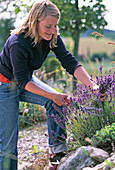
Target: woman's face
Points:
(47, 27)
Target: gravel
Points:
(34, 136)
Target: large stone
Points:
(98, 154)
(106, 165)
(86, 156)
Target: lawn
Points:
(93, 67)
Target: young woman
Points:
(25, 51)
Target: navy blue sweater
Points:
(19, 58)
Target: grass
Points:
(87, 47)
(93, 67)
(91, 45)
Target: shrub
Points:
(86, 113)
(51, 63)
(105, 138)
(100, 56)
(30, 114)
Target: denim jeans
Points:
(10, 96)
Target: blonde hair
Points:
(38, 12)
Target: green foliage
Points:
(106, 134)
(110, 164)
(86, 113)
(9, 10)
(76, 20)
(30, 114)
(14, 6)
(99, 56)
(105, 137)
(5, 26)
(34, 149)
(51, 64)
(113, 55)
(22, 6)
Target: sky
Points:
(110, 16)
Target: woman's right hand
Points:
(58, 98)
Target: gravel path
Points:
(27, 138)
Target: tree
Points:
(9, 10)
(5, 26)
(6, 21)
(76, 20)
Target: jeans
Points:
(10, 96)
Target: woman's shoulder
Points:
(19, 39)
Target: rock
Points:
(86, 156)
(106, 165)
(98, 154)
(77, 160)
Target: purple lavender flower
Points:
(83, 127)
(89, 112)
(84, 98)
(97, 110)
(97, 79)
(100, 69)
(86, 118)
(100, 110)
(110, 107)
(55, 120)
(73, 139)
(84, 122)
(114, 77)
(113, 113)
(73, 94)
(76, 118)
(91, 76)
(62, 126)
(63, 136)
(52, 115)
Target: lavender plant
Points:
(86, 113)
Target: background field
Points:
(87, 47)
(95, 46)
(91, 45)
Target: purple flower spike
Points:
(100, 69)
(52, 115)
(63, 136)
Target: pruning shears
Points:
(81, 108)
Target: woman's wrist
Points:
(95, 87)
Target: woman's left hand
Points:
(103, 96)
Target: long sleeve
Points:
(68, 61)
